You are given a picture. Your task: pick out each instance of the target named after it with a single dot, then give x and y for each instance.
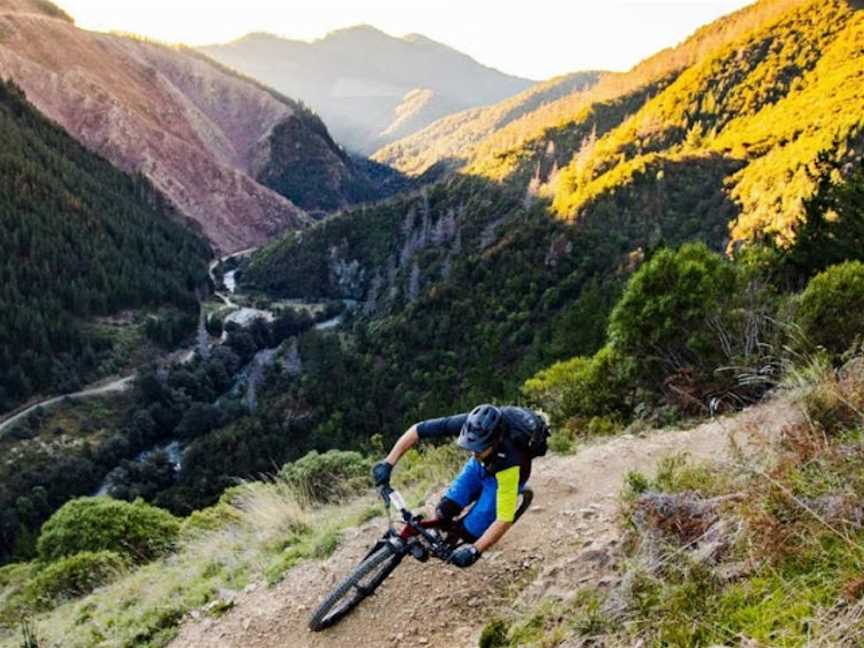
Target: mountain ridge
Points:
(203, 135)
(421, 151)
(359, 78)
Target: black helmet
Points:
(480, 428)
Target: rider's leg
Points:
(483, 514)
(485, 511)
(465, 489)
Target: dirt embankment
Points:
(567, 540)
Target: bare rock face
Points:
(192, 128)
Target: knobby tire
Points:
(351, 591)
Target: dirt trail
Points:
(568, 539)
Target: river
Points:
(252, 374)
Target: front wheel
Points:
(359, 584)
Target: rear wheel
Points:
(365, 578)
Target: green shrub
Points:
(562, 440)
(549, 387)
(565, 436)
(210, 519)
(74, 576)
(584, 387)
(137, 530)
(830, 311)
(329, 477)
(664, 317)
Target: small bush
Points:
(209, 519)
(137, 530)
(600, 386)
(548, 388)
(664, 316)
(562, 441)
(74, 576)
(564, 438)
(830, 311)
(329, 477)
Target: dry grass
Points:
(258, 531)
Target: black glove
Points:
(381, 474)
(465, 556)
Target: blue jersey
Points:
(493, 484)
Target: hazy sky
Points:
(533, 38)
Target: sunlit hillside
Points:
(772, 101)
(506, 147)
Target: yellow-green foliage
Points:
(496, 148)
(582, 387)
(506, 153)
(772, 99)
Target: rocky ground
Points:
(567, 540)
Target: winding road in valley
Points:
(117, 384)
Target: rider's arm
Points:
(492, 535)
(439, 428)
(407, 441)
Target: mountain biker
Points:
(501, 442)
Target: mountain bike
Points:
(418, 537)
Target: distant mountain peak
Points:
(364, 82)
(362, 30)
(420, 39)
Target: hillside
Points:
(371, 88)
(249, 572)
(475, 288)
(450, 138)
(772, 89)
(535, 138)
(237, 158)
(80, 240)
(567, 543)
(779, 102)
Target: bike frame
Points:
(415, 526)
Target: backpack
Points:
(527, 429)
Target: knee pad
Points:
(447, 509)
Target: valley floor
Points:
(568, 540)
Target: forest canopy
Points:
(79, 239)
